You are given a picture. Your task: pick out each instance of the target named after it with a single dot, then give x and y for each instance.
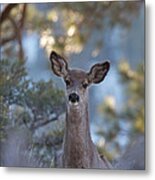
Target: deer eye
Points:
(85, 85)
(67, 82)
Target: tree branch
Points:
(22, 20)
(18, 36)
(18, 26)
(6, 40)
(6, 12)
(44, 122)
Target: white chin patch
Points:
(73, 104)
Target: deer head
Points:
(77, 81)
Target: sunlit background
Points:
(32, 97)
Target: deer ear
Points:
(98, 72)
(58, 64)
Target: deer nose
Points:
(74, 98)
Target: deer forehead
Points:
(77, 75)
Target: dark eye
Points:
(67, 82)
(85, 85)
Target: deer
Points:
(78, 149)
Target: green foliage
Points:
(12, 74)
(31, 105)
(131, 113)
(134, 82)
(12, 80)
(77, 29)
(75, 22)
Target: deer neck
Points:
(77, 142)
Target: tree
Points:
(132, 112)
(30, 108)
(73, 32)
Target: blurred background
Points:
(32, 98)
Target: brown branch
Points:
(6, 12)
(52, 141)
(17, 28)
(18, 35)
(44, 122)
(22, 20)
(3, 41)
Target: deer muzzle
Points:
(74, 98)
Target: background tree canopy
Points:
(32, 99)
